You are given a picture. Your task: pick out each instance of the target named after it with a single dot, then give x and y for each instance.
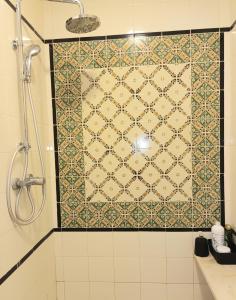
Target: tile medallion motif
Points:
(139, 131)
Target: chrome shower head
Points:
(30, 52)
(82, 23)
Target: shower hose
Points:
(24, 147)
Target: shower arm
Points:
(78, 2)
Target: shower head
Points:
(82, 23)
(30, 52)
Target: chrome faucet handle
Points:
(28, 182)
(35, 181)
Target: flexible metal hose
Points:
(15, 216)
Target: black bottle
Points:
(229, 236)
(201, 247)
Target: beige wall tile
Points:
(74, 244)
(77, 290)
(153, 244)
(76, 269)
(127, 269)
(129, 291)
(101, 291)
(233, 10)
(179, 291)
(60, 291)
(57, 236)
(103, 242)
(179, 270)
(101, 269)
(126, 244)
(153, 270)
(153, 291)
(179, 244)
(33, 11)
(59, 269)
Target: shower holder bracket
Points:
(24, 146)
(15, 44)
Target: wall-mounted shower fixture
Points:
(82, 23)
(27, 181)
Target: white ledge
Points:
(221, 279)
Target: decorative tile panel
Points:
(139, 131)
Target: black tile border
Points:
(222, 50)
(12, 6)
(222, 104)
(232, 26)
(55, 136)
(33, 29)
(24, 258)
(222, 160)
(66, 229)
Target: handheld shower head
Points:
(30, 52)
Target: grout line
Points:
(191, 97)
(166, 229)
(89, 275)
(140, 265)
(114, 269)
(166, 290)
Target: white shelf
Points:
(221, 279)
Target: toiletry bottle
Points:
(218, 233)
(229, 236)
(201, 246)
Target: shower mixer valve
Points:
(28, 182)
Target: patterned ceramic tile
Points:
(126, 150)
(138, 126)
(205, 47)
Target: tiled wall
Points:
(139, 131)
(128, 266)
(17, 241)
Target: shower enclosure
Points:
(116, 151)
